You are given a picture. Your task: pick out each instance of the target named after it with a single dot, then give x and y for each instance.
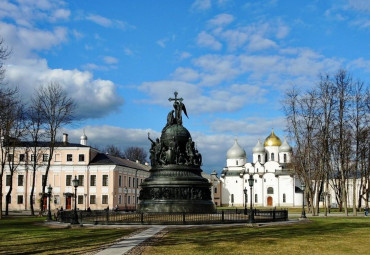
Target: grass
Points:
(27, 235)
(344, 235)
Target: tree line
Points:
(330, 128)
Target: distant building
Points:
(104, 180)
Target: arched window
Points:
(284, 198)
(272, 156)
(270, 190)
(266, 157)
(255, 198)
(259, 158)
(237, 162)
(284, 158)
(232, 198)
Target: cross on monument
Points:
(176, 99)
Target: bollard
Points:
(142, 218)
(223, 216)
(183, 218)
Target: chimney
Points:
(65, 138)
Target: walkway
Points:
(129, 243)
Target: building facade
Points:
(275, 184)
(104, 180)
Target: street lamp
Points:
(303, 215)
(251, 214)
(75, 217)
(49, 195)
(125, 191)
(245, 200)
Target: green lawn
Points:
(321, 236)
(25, 235)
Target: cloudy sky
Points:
(231, 61)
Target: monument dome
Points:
(236, 152)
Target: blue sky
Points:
(231, 61)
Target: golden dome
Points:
(272, 140)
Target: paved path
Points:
(129, 243)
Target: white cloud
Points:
(185, 55)
(201, 5)
(162, 42)
(359, 5)
(221, 20)
(95, 97)
(258, 43)
(110, 60)
(100, 20)
(208, 41)
(185, 74)
(200, 101)
(128, 52)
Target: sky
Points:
(231, 62)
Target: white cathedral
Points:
(274, 183)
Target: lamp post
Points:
(125, 191)
(49, 195)
(251, 214)
(245, 200)
(303, 215)
(75, 217)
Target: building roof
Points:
(272, 140)
(46, 144)
(106, 159)
(236, 152)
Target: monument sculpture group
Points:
(175, 183)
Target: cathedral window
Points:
(265, 157)
(272, 156)
(259, 158)
(232, 198)
(284, 158)
(256, 198)
(237, 162)
(284, 198)
(270, 190)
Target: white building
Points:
(274, 183)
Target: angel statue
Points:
(179, 108)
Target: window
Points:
(10, 157)
(255, 180)
(259, 158)
(104, 199)
(272, 156)
(92, 199)
(255, 198)
(284, 158)
(232, 198)
(22, 157)
(80, 180)
(120, 199)
(237, 162)
(57, 158)
(69, 180)
(270, 190)
(284, 198)
(129, 199)
(80, 199)
(20, 180)
(45, 157)
(33, 157)
(92, 180)
(129, 182)
(20, 199)
(120, 181)
(8, 180)
(44, 179)
(81, 157)
(105, 180)
(56, 199)
(215, 190)
(69, 157)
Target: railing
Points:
(219, 217)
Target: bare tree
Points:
(114, 151)
(136, 153)
(57, 109)
(35, 123)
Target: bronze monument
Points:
(175, 183)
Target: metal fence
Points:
(219, 217)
